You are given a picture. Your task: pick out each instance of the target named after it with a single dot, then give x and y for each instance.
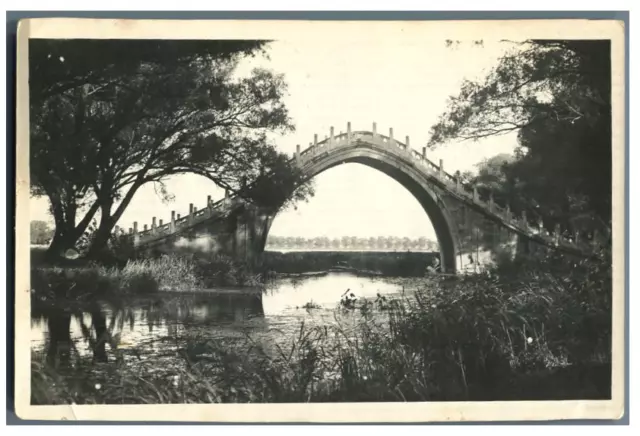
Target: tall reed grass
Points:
(532, 333)
(178, 273)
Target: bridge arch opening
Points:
(412, 179)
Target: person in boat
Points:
(435, 266)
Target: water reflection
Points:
(99, 329)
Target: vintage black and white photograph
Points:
(371, 215)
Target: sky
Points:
(330, 83)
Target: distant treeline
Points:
(390, 264)
(352, 242)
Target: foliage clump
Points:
(108, 122)
(556, 96)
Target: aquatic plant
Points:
(541, 333)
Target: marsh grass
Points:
(218, 270)
(170, 273)
(532, 334)
(176, 273)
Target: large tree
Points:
(557, 96)
(110, 116)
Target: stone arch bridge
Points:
(461, 219)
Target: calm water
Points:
(151, 325)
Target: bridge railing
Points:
(454, 184)
(176, 222)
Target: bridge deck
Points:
(435, 173)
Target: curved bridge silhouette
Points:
(455, 209)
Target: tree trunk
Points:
(57, 246)
(108, 221)
(100, 239)
(66, 234)
(64, 238)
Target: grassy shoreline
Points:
(174, 273)
(536, 331)
(183, 272)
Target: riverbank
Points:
(79, 279)
(527, 332)
(406, 264)
(168, 273)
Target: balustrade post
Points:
(458, 186)
(441, 169)
(375, 130)
(172, 226)
(407, 143)
(191, 210)
(331, 136)
(159, 223)
(136, 236)
(145, 228)
(349, 132)
(315, 139)
(153, 225)
(424, 153)
(475, 194)
(391, 141)
(298, 154)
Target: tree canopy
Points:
(557, 96)
(109, 116)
